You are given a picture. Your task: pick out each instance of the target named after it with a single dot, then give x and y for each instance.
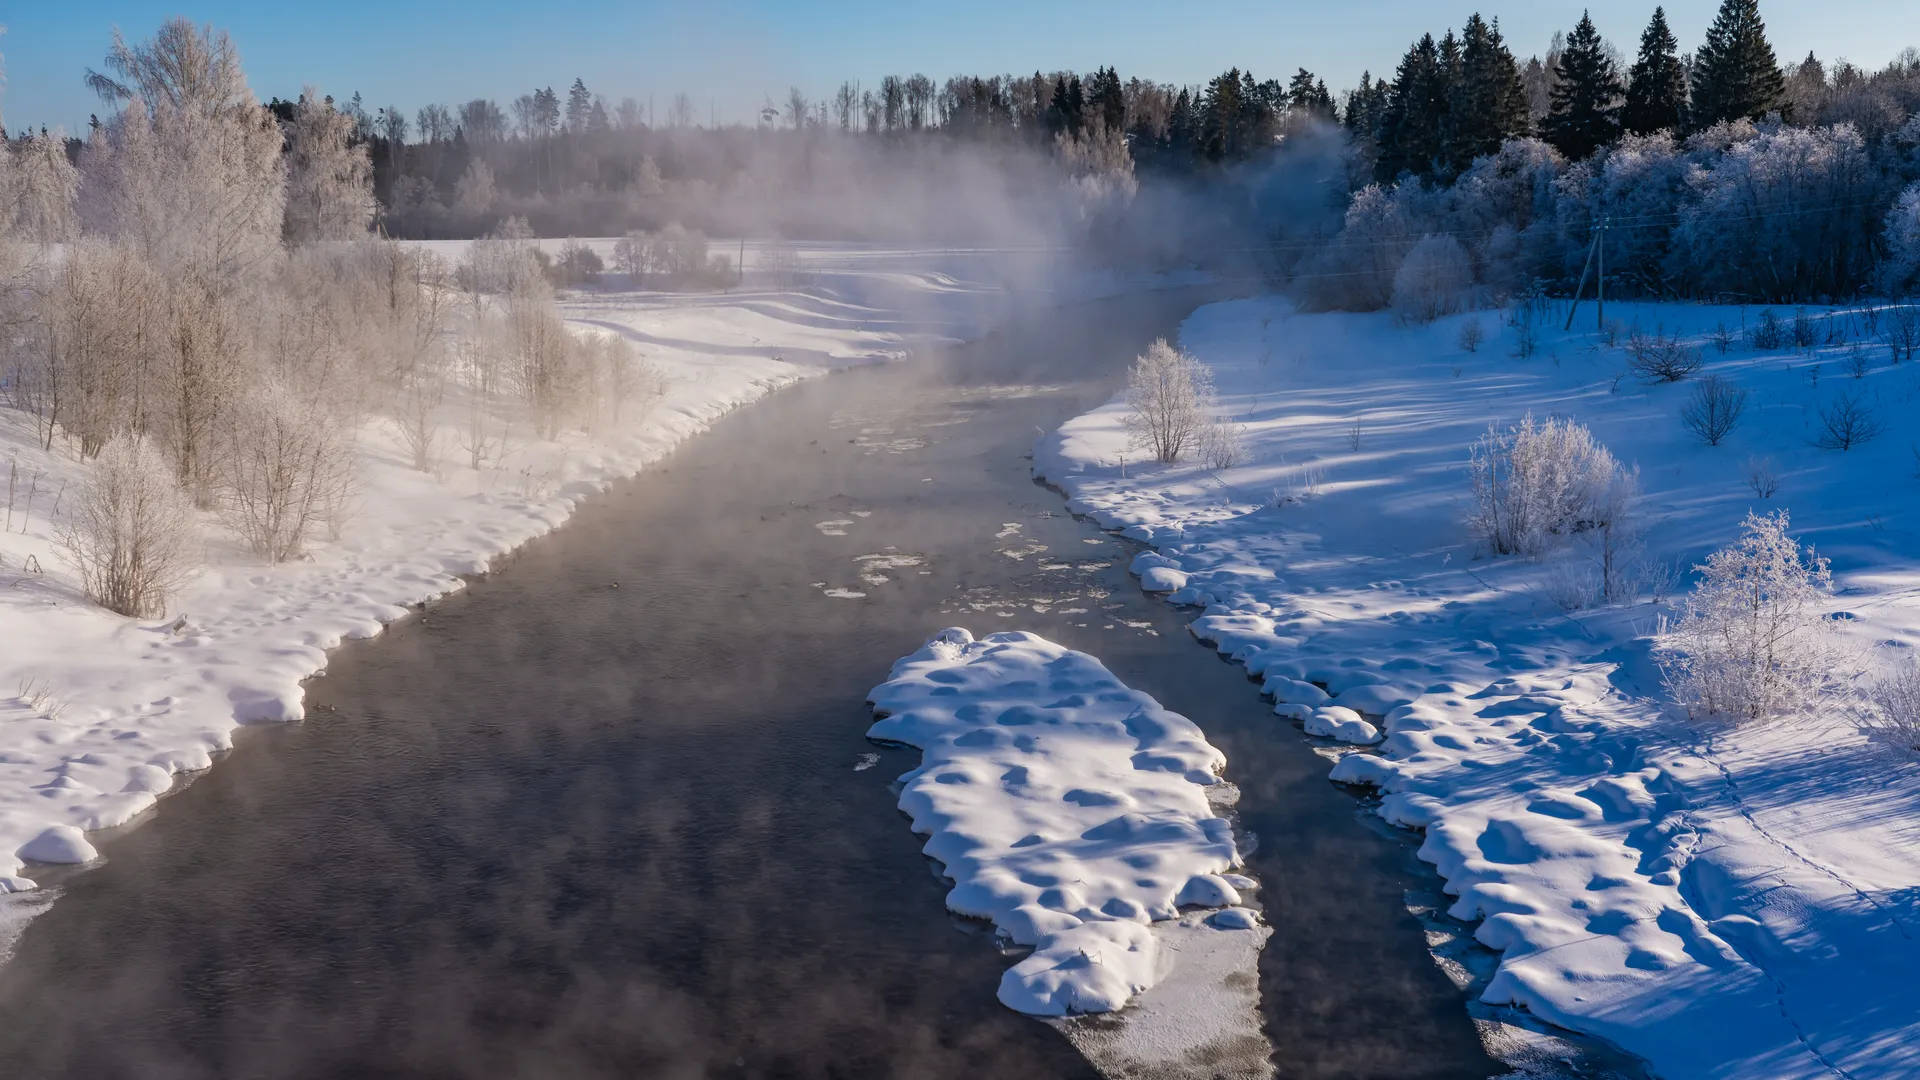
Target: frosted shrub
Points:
(131, 532)
(1435, 280)
(288, 471)
(1893, 709)
(1169, 393)
(1536, 484)
(545, 362)
(1223, 444)
(1714, 409)
(1751, 642)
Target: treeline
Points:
(195, 304)
(1718, 174)
(575, 163)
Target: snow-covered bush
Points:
(1435, 279)
(130, 532)
(1169, 400)
(1536, 484)
(1714, 410)
(1752, 641)
(1893, 708)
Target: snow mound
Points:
(58, 844)
(1070, 810)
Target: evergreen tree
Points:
(1735, 74)
(1180, 127)
(1308, 96)
(1415, 111)
(1657, 83)
(1367, 107)
(1220, 121)
(1487, 104)
(1585, 114)
(1108, 99)
(579, 106)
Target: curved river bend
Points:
(551, 827)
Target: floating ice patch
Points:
(844, 594)
(865, 762)
(836, 527)
(1070, 810)
(872, 566)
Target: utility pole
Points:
(1600, 317)
(1582, 287)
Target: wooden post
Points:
(1582, 287)
(1600, 282)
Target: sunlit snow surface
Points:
(1721, 901)
(1084, 820)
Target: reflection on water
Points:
(550, 827)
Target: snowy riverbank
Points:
(100, 715)
(1083, 820)
(1723, 902)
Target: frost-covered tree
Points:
(1169, 402)
(1899, 269)
(329, 179)
(1656, 96)
(1435, 279)
(1752, 641)
(37, 188)
(1785, 215)
(190, 171)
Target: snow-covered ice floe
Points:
(1721, 901)
(1084, 820)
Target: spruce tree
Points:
(1488, 103)
(1415, 110)
(1585, 110)
(1307, 96)
(1657, 83)
(1735, 74)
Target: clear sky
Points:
(734, 53)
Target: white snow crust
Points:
(1719, 901)
(1071, 811)
(130, 705)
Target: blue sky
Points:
(732, 53)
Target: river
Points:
(604, 813)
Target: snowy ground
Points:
(1723, 902)
(99, 715)
(1083, 820)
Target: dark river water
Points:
(551, 827)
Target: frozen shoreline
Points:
(1082, 819)
(1717, 901)
(131, 705)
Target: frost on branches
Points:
(1169, 397)
(1752, 641)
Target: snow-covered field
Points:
(1723, 901)
(100, 715)
(1083, 820)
